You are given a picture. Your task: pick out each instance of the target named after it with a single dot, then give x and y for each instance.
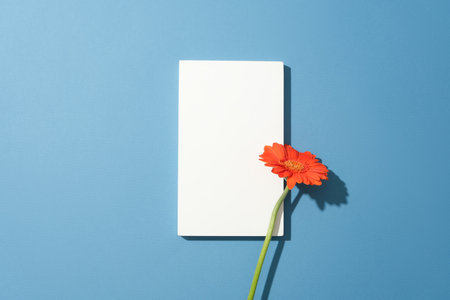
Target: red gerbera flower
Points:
(296, 167)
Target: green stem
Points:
(266, 244)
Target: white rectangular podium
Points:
(228, 112)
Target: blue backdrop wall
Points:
(88, 149)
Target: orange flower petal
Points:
(278, 170)
(279, 150)
(284, 174)
(292, 154)
(291, 182)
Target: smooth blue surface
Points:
(88, 148)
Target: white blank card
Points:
(228, 112)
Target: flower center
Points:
(294, 165)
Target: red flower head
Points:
(296, 167)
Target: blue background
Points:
(88, 149)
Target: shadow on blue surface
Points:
(331, 192)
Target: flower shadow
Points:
(332, 192)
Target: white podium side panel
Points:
(228, 112)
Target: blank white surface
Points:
(228, 112)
